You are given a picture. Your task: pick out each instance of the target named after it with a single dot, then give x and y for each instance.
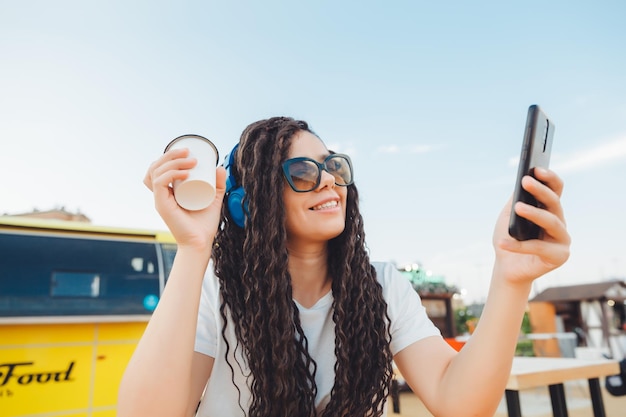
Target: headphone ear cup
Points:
(235, 206)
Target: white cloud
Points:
(514, 161)
(591, 158)
(389, 149)
(410, 149)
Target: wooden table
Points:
(553, 372)
(531, 372)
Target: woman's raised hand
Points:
(190, 228)
(523, 261)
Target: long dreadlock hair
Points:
(251, 265)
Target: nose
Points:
(326, 180)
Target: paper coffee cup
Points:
(198, 190)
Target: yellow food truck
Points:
(74, 301)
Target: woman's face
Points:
(319, 215)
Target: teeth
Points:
(329, 204)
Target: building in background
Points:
(59, 213)
(595, 312)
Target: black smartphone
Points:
(536, 148)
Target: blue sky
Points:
(429, 99)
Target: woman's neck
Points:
(309, 275)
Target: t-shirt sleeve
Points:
(409, 321)
(207, 327)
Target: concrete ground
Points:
(534, 403)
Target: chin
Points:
(333, 232)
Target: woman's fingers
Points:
(550, 179)
(171, 166)
(548, 254)
(552, 224)
(547, 189)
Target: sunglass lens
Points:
(303, 175)
(339, 167)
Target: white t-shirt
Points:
(409, 323)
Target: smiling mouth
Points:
(327, 205)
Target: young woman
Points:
(274, 309)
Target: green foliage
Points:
(524, 348)
(526, 324)
(434, 288)
(425, 283)
(461, 316)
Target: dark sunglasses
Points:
(305, 174)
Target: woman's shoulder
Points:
(388, 275)
(384, 268)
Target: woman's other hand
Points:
(523, 261)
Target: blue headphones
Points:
(234, 192)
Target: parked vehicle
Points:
(74, 301)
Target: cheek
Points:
(344, 200)
(292, 213)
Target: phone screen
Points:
(536, 149)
